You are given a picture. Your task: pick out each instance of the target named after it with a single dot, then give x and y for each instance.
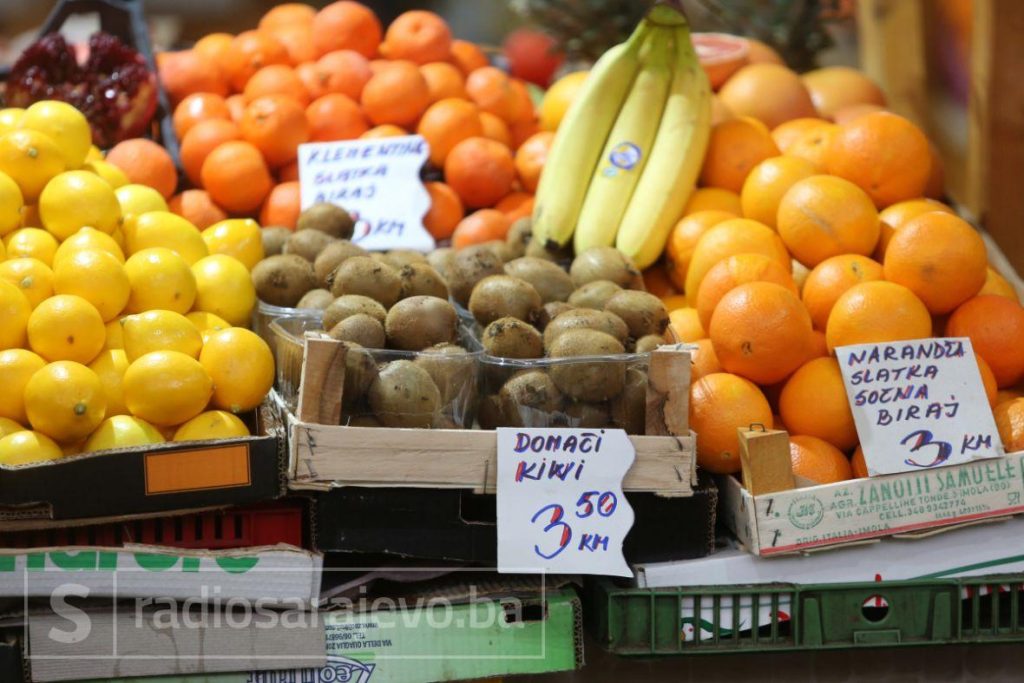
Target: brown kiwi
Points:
(468, 267)
(327, 218)
(550, 281)
(586, 318)
(404, 395)
(587, 415)
(594, 294)
(643, 313)
(502, 296)
(415, 323)
(501, 249)
(648, 343)
(441, 260)
(283, 279)
(587, 381)
(420, 279)
(316, 298)
(361, 329)
(273, 240)
(552, 310)
(363, 275)
(360, 371)
(512, 338)
(308, 244)
(529, 398)
(519, 235)
(603, 263)
(397, 258)
(629, 409)
(489, 413)
(454, 372)
(331, 257)
(558, 254)
(352, 304)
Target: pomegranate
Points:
(112, 85)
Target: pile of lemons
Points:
(121, 324)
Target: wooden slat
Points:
(668, 393)
(323, 380)
(891, 37)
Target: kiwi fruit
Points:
(360, 371)
(331, 257)
(500, 249)
(308, 244)
(557, 254)
(327, 218)
(397, 258)
(591, 380)
(603, 263)
(512, 338)
(316, 298)
(594, 294)
(587, 415)
(550, 281)
(415, 323)
(454, 373)
(529, 397)
(551, 310)
(420, 279)
(489, 414)
(361, 329)
(586, 318)
(648, 343)
(629, 408)
(403, 395)
(468, 267)
(519, 235)
(363, 275)
(352, 304)
(441, 260)
(273, 240)
(283, 279)
(502, 296)
(643, 313)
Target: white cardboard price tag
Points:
(561, 509)
(377, 181)
(918, 404)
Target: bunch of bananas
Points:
(627, 154)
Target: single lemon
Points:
(118, 237)
(94, 154)
(75, 199)
(166, 388)
(14, 313)
(9, 426)
(10, 119)
(32, 276)
(559, 98)
(11, 204)
(65, 125)
(16, 368)
(30, 217)
(66, 327)
(96, 276)
(213, 424)
(241, 365)
(224, 288)
(160, 331)
(122, 431)
(88, 238)
(31, 159)
(136, 200)
(115, 335)
(114, 176)
(26, 446)
(31, 243)
(207, 322)
(167, 230)
(160, 279)
(110, 367)
(238, 237)
(65, 400)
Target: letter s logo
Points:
(60, 607)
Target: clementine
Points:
(276, 125)
(335, 117)
(445, 210)
(481, 171)
(396, 95)
(236, 176)
(447, 123)
(480, 226)
(346, 25)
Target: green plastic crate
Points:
(721, 619)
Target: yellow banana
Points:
(628, 146)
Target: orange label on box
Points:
(199, 469)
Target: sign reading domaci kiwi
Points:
(377, 181)
(561, 509)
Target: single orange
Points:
(343, 71)
(287, 14)
(988, 380)
(493, 91)
(786, 134)
(771, 93)
(385, 131)
(276, 125)
(703, 361)
(444, 80)
(1009, 417)
(197, 207)
(531, 157)
(818, 460)
(468, 56)
(515, 203)
(823, 216)
(814, 145)
(734, 271)
(995, 283)
(236, 106)
(481, 171)
(720, 404)
(858, 464)
(145, 163)
(995, 326)
(200, 140)
(445, 210)
(396, 95)
(877, 311)
(447, 123)
(685, 324)
(768, 182)
(894, 216)
(236, 176)
(714, 199)
(496, 129)
(214, 48)
(419, 36)
(276, 79)
(250, 52)
(480, 226)
(735, 147)
(297, 40)
(335, 117)
(831, 278)
(185, 72)
(683, 239)
(732, 236)
(282, 206)
(835, 87)
(198, 107)
(813, 402)
(346, 25)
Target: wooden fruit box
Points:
(325, 455)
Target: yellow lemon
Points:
(31, 159)
(31, 243)
(207, 322)
(16, 368)
(167, 230)
(66, 327)
(122, 431)
(136, 200)
(160, 331)
(88, 238)
(224, 287)
(160, 279)
(10, 119)
(238, 237)
(213, 424)
(242, 367)
(114, 176)
(115, 335)
(26, 446)
(166, 388)
(96, 276)
(11, 204)
(94, 154)
(32, 276)
(75, 199)
(559, 98)
(65, 400)
(118, 237)
(110, 367)
(14, 313)
(30, 217)
(8, 426)
(65, 125)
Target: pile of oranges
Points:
(243, 104)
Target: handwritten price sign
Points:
(918, 404)
(561, 508)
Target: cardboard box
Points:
(860, 509)
(149, 480)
